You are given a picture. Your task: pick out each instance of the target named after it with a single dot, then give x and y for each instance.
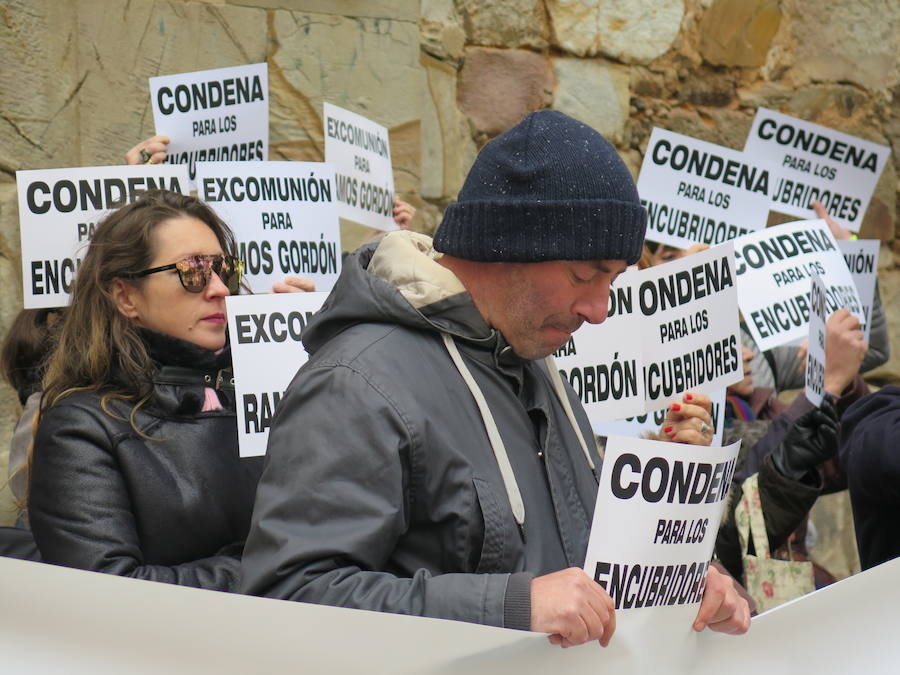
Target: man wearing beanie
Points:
(428, 459)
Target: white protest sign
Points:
(691, 332)
(655, 523)
(635, 427)
(861, 256)
(219, 115)
(815, 162)
(361, 153)
(283, 214)
(266, 351)
(815, 356)
(59, 210)
(774, 267)
(684, 313)
(699, 192)
(603, 362)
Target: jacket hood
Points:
(397, 280)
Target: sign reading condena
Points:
(655, 522)
(815, 162)
(219, 115)
(699, 192)
(59, 210)
(774, 268)
(685, 314)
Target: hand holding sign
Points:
(722, 608)
(689, 421)
(844, 351)
(839, 233)
(150, 151)
(292, 284)
(572, 608)
(811, 440)
(403, 213)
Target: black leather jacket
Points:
(174, 507)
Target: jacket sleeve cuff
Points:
(517, 603)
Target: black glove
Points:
(812, 440)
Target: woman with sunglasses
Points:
(135, 468)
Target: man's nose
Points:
(593, 307)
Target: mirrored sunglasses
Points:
(195, 270)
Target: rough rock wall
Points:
(444, 76)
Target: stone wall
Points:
(445, 76)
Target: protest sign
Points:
(360, 151)
(861, 256)
(283, 214)
(59, 210)
(815, 162)
(604, 362)
(691, 334)
(684, 313)
(650, 422)
(815, 355)
(774, 267)
(266, 351)
(699, 192)
(655, 524)
(219, 115)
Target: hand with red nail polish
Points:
(689, 421)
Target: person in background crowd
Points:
(869, 452)
(135, 468)
(153, 150)
(427, 460)
(791, 447)
(22, 359)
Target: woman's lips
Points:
(214, 318)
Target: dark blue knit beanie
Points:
(550, 188)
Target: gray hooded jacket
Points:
(381, 489)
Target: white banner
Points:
(815, 355)
(699, 192)
(655, 523)
(59, 621)
(774, 267)
(815, 162)
(283, 214)
(219, 115)
(861, 256)
(59, 210)
(604, 362)
(360, 150)
(266, 351)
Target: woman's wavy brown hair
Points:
(97, 346)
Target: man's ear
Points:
(124, 295)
